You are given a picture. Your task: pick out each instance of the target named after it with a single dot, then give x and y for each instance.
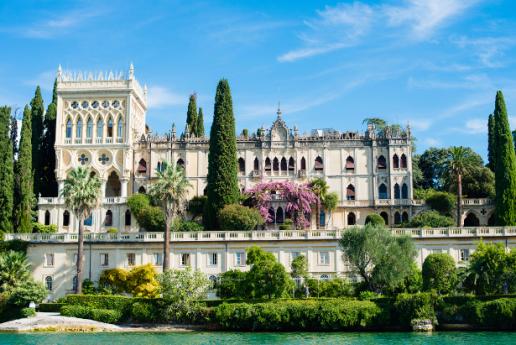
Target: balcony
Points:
(68, 140)
(256, 173)
(116, 200)
(301, 173)
(271, 235)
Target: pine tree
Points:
(222, 160)
(505, 172)
(14, 134)
(49, 183)
(491, 145)
(191, 115)
(37, 112)
(6, 173)
(24, 175)
(200, 124)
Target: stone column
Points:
(123, 192)
(103, 188)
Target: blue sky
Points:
(435, 64)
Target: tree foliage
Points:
(24, 175)
(381, 259)
(439, 273)
(491, 143)
(191, 115)
(14, 269)
(222, 160)
(238, 217)
(442, 202)
(299, 267)
(200, 124)
(37, 118)
(374, 220)
(430, 219)
(48, 178)
(6, 173)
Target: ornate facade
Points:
(101, 125)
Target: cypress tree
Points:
(14, 135)
(200, 124)
(6, 173)
(222, 159)
(49, 183)
(37, 113)
(491, 145)
(24, 175)
(505, 172)
(191, 115)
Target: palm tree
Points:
(320, 189)
(81, 192)
(330, 203)
(14, 269)
(171, 191)
(459, 162)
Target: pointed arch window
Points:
(142, 190)
(403, 164)
(279, 216)
(142, 166)
(350, 164)
(303, 163)
(404, 191)
(110, 128)
(350, 192)
(267, 164)
(120, 129)
(319, 165)
(127, 217)
(88, 221)
(272, 215)
(382, 192)
(241, 165)
(352, 219)
(275, 164)
(385, 217)
(256, 164)
(395, 162)
(47, 217)
(180, 163)
(397, 192)
(381, 163)
(49, 283)
(78, 129)
(283, 164)
(397, 218)
(291, 164)
(100, 128)
(68, 129)
(66, 218)
(108, 221)
(89, 128)
(404, 217)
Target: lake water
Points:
(229, 338)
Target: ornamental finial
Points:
(131, 71)
(279, 110)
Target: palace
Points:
(101, 125)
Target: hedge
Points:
(50, 307)
(97, 314)
(289, 315)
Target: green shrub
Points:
(430, 219)
(44, 229)
(114, 280)
(145, 312)
(28, 312)
(50, 307)
(439, 273)
(152, 218)
(442, 202)
(86, 312)
(408, 307)
(287, 225)
(118, 303)
(238, 217)
(137, 203)
(187, 226)
(29, 291)
(336, 287)
(375, 220)
(232, 284)
(327, 315)
(495, 314)
(196, 206)
(88, 287)
(142, 281)
(112, 231)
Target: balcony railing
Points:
(60, 201)
(266, 235)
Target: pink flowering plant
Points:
(299, 199)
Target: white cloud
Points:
(424, 17)
(489, 50)
(432, 142)
(419, 124)
(159, 97)
(476, 126)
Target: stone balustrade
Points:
(264, 235)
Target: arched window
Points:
(213, 281)
(47, 217)
(350, 164)
(350, 192)
(404, 191)
(78, 128)
(88, 221)
(385, 217)
(272, 215)
(491, 221)
(471, 220)
(279, 216)
(241, 165)
(283, 164)
(382, 192)
(256, 164)
(110, 128)
(180, 163)
(100, 128)
(397, 192)
(352, 219)
(381, 163)
(74, 283)
(49, 283)
(142, 166)
(395, 162)
(158, 166)
(291, 164)
(68, 128)
(303, 163)
(397, 218)
(127, 218)
(267, 164)
(66, 218)
(275, 164)
(89, 128)
(120, 129)
(205, 191)
(319, 166)
(142, 190)
(403, 164)
(108, 221)
(404, 217)
(322, 218)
